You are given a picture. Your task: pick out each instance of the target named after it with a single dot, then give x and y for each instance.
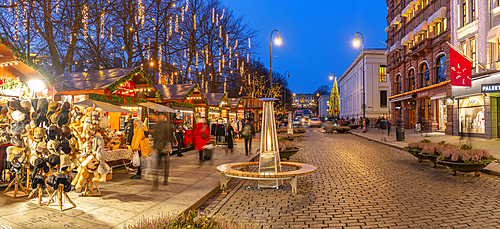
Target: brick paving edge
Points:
(488, 171)
(212, 192)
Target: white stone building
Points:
(323, 106)
(376, 83)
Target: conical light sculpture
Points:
(289, 125)
(269, 160)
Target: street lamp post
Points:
(332, 74)
(285, 92)
(356, 43)
(271, 51)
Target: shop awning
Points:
(407, 39)
(420, 28)
(235, 102)
(396, 21)
(439, 96)
(157, 107)
(177, 91)
(407, 10)
(396, 47)
(91, 80)
(401, 98)
(437, 16)
(494, 34)
(106, 107)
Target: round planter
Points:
(431, 158)
(463, 167)
(286, 154)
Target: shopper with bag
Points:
(162, 136)
(230, 136)
(201, 134)
(140, 145)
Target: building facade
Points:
(475, 31)
(377, 86)
(418, 63)
(323, 105)
(305, 101)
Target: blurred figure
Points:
(230, 136)
(248, 133)
(383, 127)
(201, 135)
(138, 136)
(162, 137)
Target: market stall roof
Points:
(180, 91)
(91, 80)
(235, 102)
(157, 107)
(27, 73)
(214, 99)
(106, 107)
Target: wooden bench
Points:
(227, 171)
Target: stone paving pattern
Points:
(364, 184)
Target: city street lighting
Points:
(356, 44)
(278, 42)
(284, 93)
(332, 74)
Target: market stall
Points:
(218, 106)
(237, 111)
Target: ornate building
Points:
(418, 63)
(305, 101)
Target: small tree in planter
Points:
(353, 126)
(342, 129)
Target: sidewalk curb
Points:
(488, 171)
(212, 192)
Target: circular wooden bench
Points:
(227, 171)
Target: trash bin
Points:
(400, 133)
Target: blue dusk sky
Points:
(316, 35)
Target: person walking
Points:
(230, 137)
(162, 137)
(129, 130)
(248, 133)
(201, 135)
(389, 125)
(135, 145)
(179, 135)
(383, 127)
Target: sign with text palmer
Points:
(489, 88)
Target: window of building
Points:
(494, 4)
(441, 69)
(463, 47)
(472, 5)
(438, 28)
(473, 51)
(411, 80)
(383, 99)
(383, 73)
(426, 79)
(463, 6)
(398, 84)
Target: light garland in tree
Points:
(227, 40)
(213, 15)
(140, 13)
(187, 4)
(170, 26)
(160, 60)
(176, 23)
(84, 21)
(194, 22)
(182, 35)
(25, 17)
(248, 57)
(102, 23)
(16, 26)
(217, 20)
(111, 33)
(222, 16)
(220, 31)
(196, 60)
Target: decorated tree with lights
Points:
(334, 102)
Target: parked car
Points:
(297, 122)
(315, 122)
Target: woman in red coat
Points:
(201, 135)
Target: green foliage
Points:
(181, 104)
(465, 147)
(115, 98)
(425, 140)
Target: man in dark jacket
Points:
(248, 133)
(129, 130)
(162, 136)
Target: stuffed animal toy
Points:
(41, 112)
(4, 137)
(16, 142)
(64, 116)
(15, 154)
(66, 164)
(53, 108)
(95, 118)
(88, 166)
(100, 155)
(41, 149)
(86, 128)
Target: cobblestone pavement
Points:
(364, 184)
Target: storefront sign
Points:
(423, 94)
(488, 88)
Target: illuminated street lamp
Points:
(36, 86)
(278, 42)
(356, 44)
(332, 74)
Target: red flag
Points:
(461, 69)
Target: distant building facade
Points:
(305, 101)
(377, 86)
(323, 105)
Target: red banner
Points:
(461, 69)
